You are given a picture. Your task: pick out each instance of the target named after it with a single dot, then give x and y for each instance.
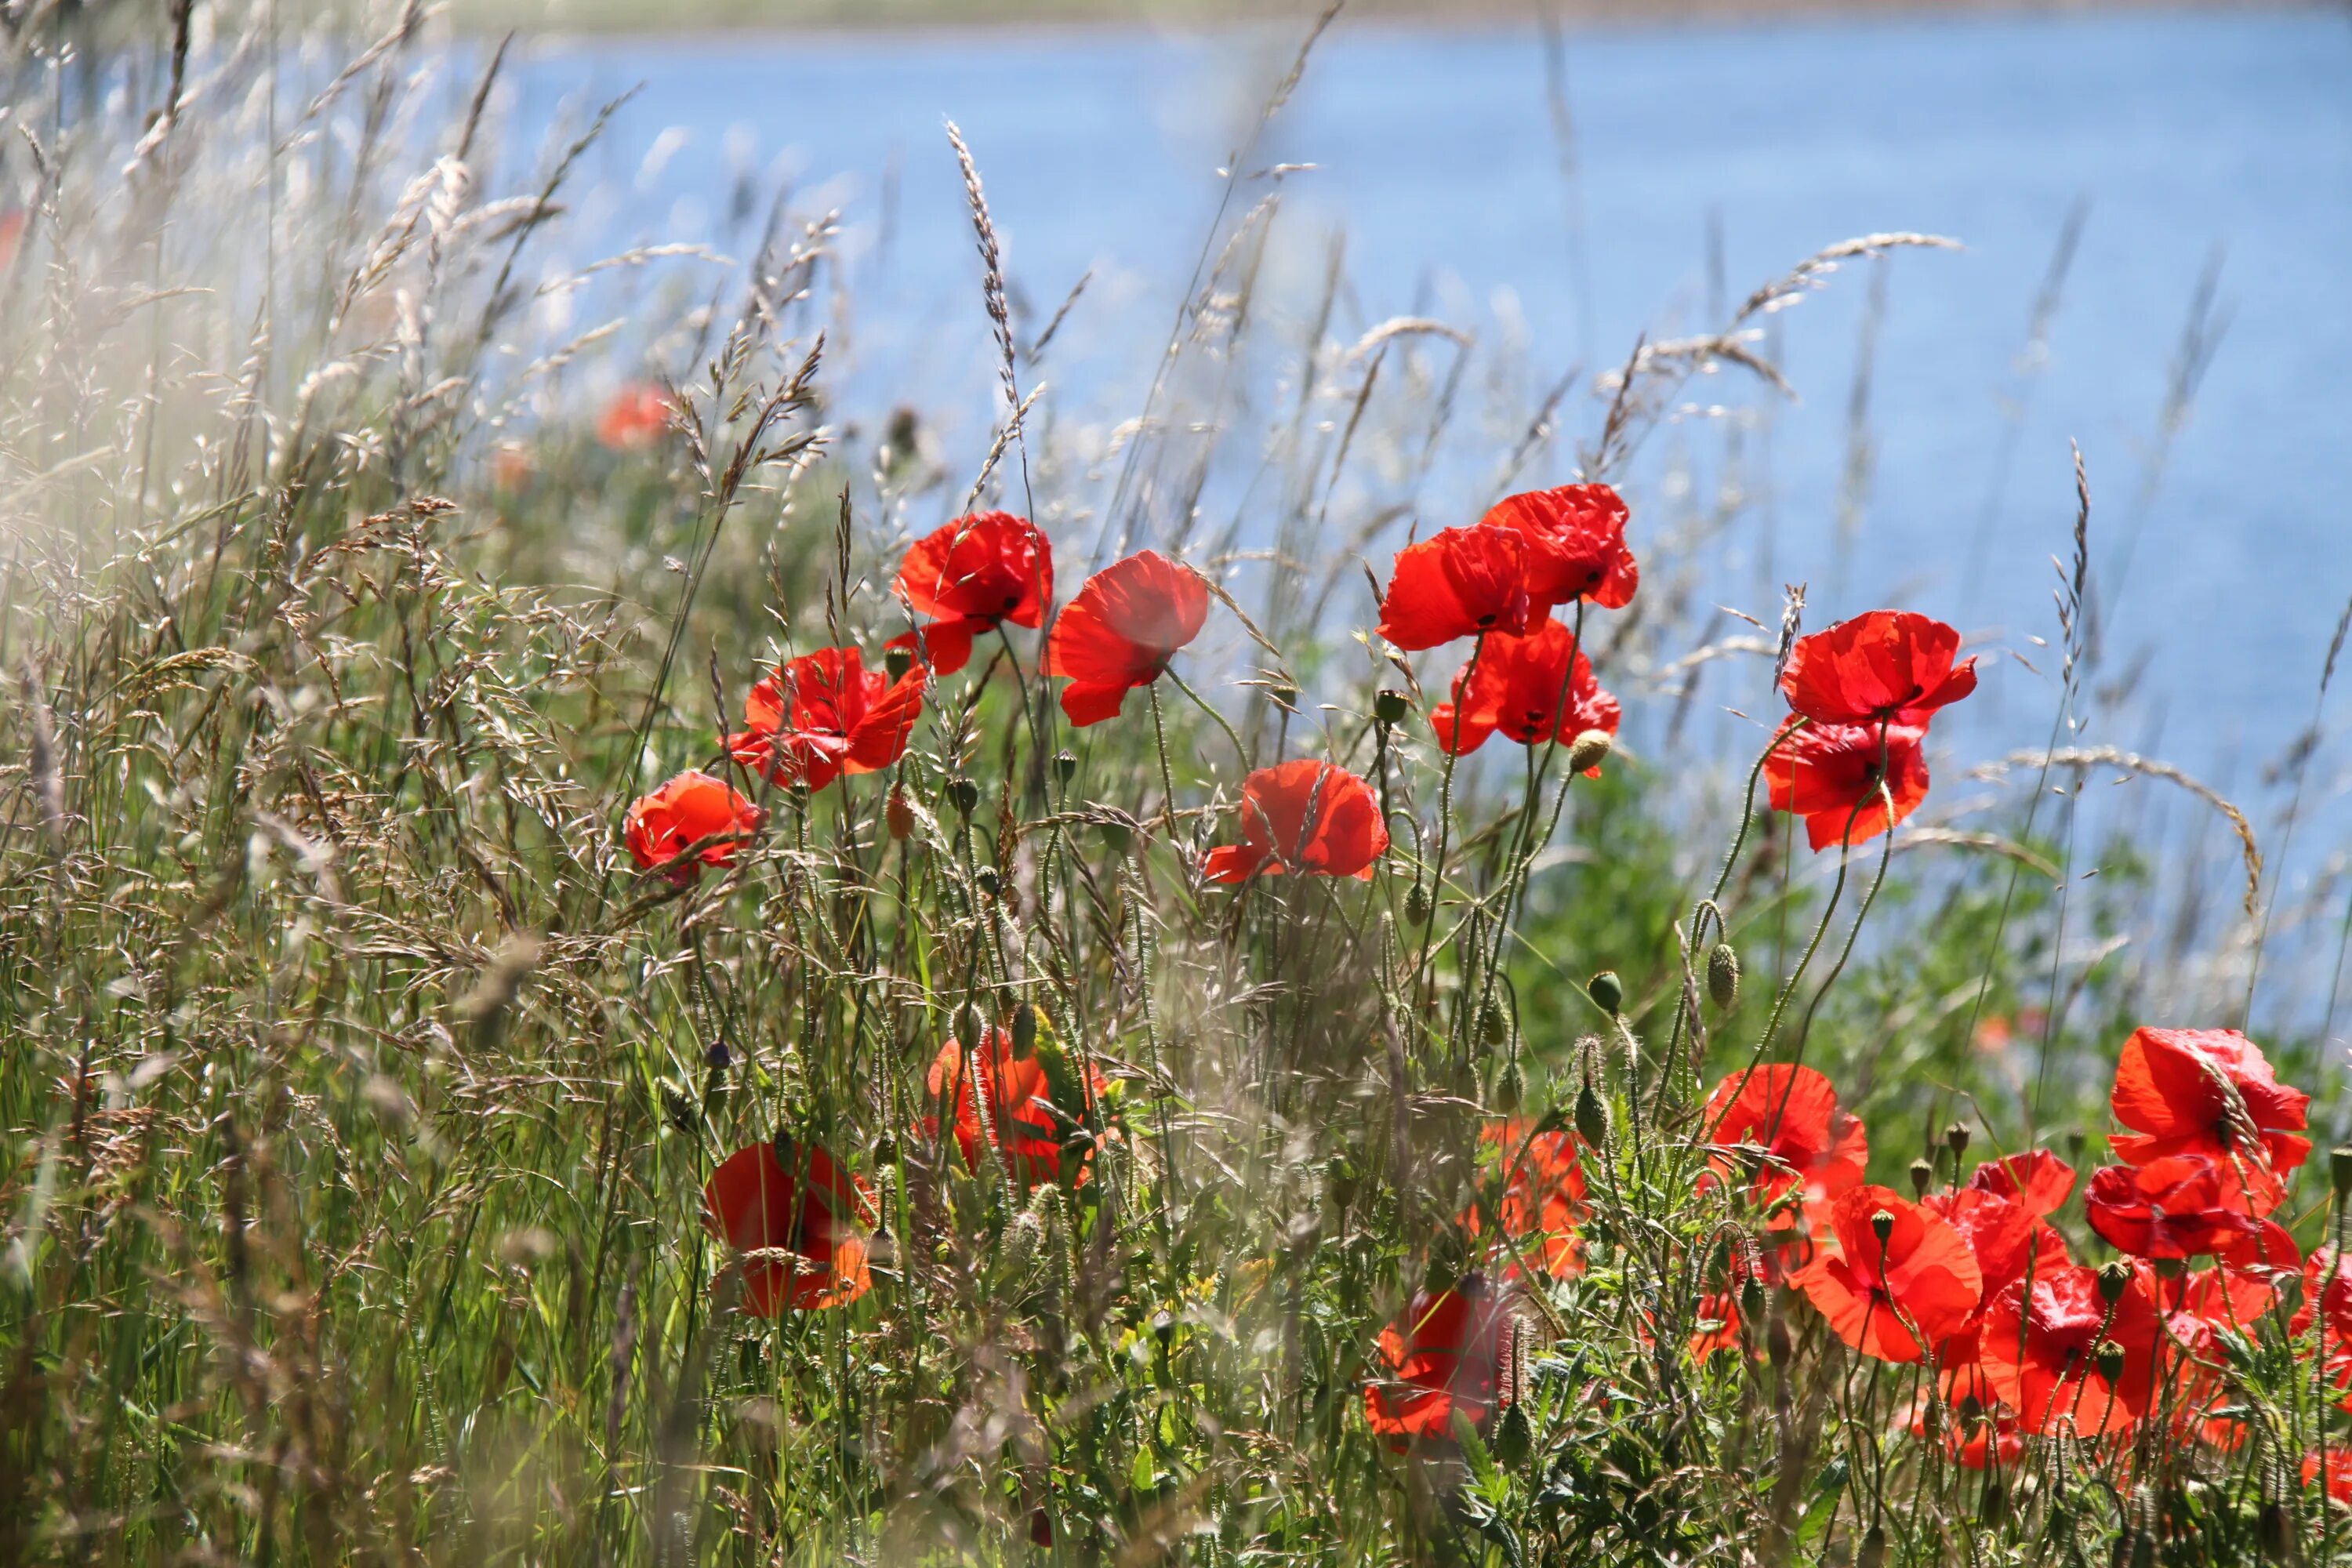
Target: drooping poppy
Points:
(1829, 774)
(970, 576)
(1120, 631)
(634, 418)
(2209, 1092)
(1886, 666)
(2037, 1179)
(2039, 1348)
(691, 809)
(2177, 1207)
(1448, 1354)
(792, 1197)
(1785, 1121)
(1522, 688)
(825, 714)
(1894, 1281)
(1576, 546)
(1305, 816)
(1456, 583)
(1037, 1102)
(1541, 1200)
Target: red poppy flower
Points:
(2011, 1241)
(2037, 1179)
(1121, 630)
(2339, 1476)
(1522, 688)
(825, 714)
(792, 1197)
(2270, 1250)
(2039, 1348)
(1718, 1324)
(1455, 584)
(1974, 1438)
(1887, 666)
(1576, 546)
(2174, 1207)
(635, 418)
(1542, 1198)
(692, 808)
(971, 575)
(1037, 1100)
(1895, 1297)
(1449, 1354)
(2209, 1092)
(1829, 774)
(1786, 1119)
(2327, 1301)
(1306, 816)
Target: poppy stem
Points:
(1423, 980)
(1240, 751)
(1167, 775)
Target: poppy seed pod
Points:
(2114, 1278)
(1065, 765)
(964, 794)
(1882, 1225)
(1922, 1172)
(1592, 1118)
(1723, 974)
(1285, 696)
(2340, 1171)
(897, 661)
(1956, 1139)
(1024, 1029)
(899, 815)
(2109, 1359)
(1391, 706)
(1590, 749)
(1607, 991)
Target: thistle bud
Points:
(2340, 1171)
(1510, 1088)
(1024, 1029)
(1882, 1226)
(1391, 706)
(1515, 1436)
(1494, 1022)
(988, 879)
(1723, 974)
(897, 661)
(1607, 991)
(964, 794)
(898, 815)
(1872, 1550)
(1417, 905)
(2114, 1278)
(1922, 1172)
(1956, 1139)
(1592, 1118)
(1065, 765)
(1590, 749)
(2109, 1359)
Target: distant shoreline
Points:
(702, 17)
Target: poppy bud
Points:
(1065, 765)
(1882, 1226)
(886, 1151)
(1391, 706)
(2275, 1532)
(1285, 696)
(1752, 1299)
(1115, 839)
(1607, 991)
(717, 1059)
(1872, 1550)
(966, 1029)
(1515, 1436)
(898, 815)
(1956, 1139)
(1592, 1118)
(1494, 1024)
(2142, 1550)
(1417, 905)
(964, 794)
(681, 1111)
(1510, 1087)
(2171, 1267)
(1993, 1510)
(2109, 1359)
(1922, 1172)
(1590, 749)
(2340, 1171)
(988, 879)
(1024, 1029)
(1163, 1328)
(2114, 1278)
(897, 661)
(1777, 1346)
(1723, 974)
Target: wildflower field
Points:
(609, 955)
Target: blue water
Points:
(2187, 135)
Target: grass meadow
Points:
(598, 963)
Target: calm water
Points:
(2188, 137)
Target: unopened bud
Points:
(1777, 1344)
(1515, 1436)
(1510, 1088)
(2114, 1278)
(1391, 706)
(2275, 1532)
(1417, 905)
(897, 661)
(1992, 1508)
(1592, 1118)
(966, 1029)
(1024, 1029)
(899, 815)
(988, 879)
(1751, 1299)
(1882, 1226)
(964, 794)
(886, 1151)
(1590, 749)
(1117, 837)
(1956, 1139)
(1608, 992)
(1723, 974)
(2109, 1359)
(1494, 1022)
(1872, 1550)
(1922, 1172)
(1065, 765)
(2339, 1170)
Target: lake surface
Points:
(2189, 138)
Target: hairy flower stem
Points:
(1423, 980)
(1167, 774)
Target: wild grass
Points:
(359, 1092)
